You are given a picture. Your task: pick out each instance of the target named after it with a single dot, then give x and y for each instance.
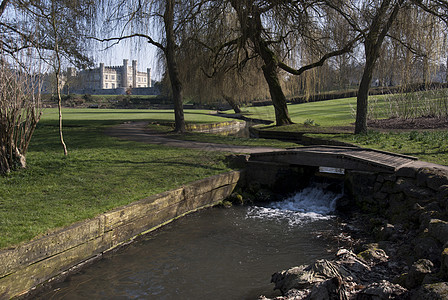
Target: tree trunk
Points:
(173, 71)
(270, 72)
(58, 74)
(232, 103)
(363, 92)
(253, 27)
(58, 92)
(278, 98)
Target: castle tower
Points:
(134, 73)
(124, 74)
(101, 76)
(148, 74)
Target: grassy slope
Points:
(431, 146)
(100, 172)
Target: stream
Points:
(215, 253)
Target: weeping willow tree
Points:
(272, 32)
(230, 76)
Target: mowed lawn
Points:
(100, 172)
(338, 116)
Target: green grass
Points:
(113, 116)
(430, 146)
(337, 116)
(99, 174)
(325, 113)
(341, 112)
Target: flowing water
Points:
(212, 254)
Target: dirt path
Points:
(138, 132)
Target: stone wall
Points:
(409, 206)
(401, 196)
(32, 264)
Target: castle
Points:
(110, 80)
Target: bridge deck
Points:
(338, 157)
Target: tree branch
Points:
(121, 38)
(320, 62)
(3, 6)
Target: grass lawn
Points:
(338, 116)
(430, 146)
(325, 113)
(99, 174)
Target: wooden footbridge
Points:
(349, 158)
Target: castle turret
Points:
(148, 74)
(124, 74)
(101, 76)
(134, 73)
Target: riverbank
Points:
(400, 243)
(30, 266)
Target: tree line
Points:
(232, 49)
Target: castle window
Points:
(107, 77)
(107, 85)
(113, 85)
(112, 77)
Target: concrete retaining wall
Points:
(29, 265)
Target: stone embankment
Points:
(402, 221)
(51, 257)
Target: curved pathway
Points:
(138, 132)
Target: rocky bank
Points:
(401, 220)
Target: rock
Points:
(437, 179)
(381, 290)
(435, 291)
(236, 199)
(444, 264)
(304, 277)
(438, 229)
(417, 273)
(384, 233)
(352, 265)
(427, 247)
(442, 197)
(406, 172)
(426, 217)
(331, 289)
(373, 254)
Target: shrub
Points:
(20, 104)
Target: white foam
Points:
(311, 204)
